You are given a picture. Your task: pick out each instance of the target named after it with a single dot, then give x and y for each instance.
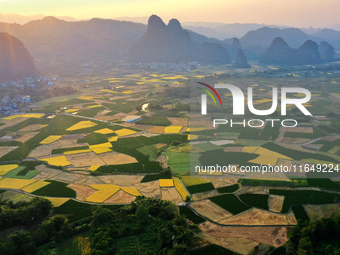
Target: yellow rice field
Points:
(173, 129)
(71, 110)
(104, 131)
(132, 191)
(76, 152)
(128, 92)
(58, 201)
(57, 161)
(104, 192)
(51, 139)
(31, 115)
(4, 169)
(94, 106)
(108, 91)
(81, 125)
(125, 132)
(100, 150)
(192, 137)
(180, 188)
(93, 168)
(166, 183)
(35, 186)
(189, 181)
(10, 183)
(267, 157)
(249, 149)
(194, 129)
(113, 138)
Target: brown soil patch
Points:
(256, 216)
(12, 122)
(210, 210)
(122, 180)
(331, 138)
(291, 218)
(67, 177)
(316, 212)
(171, 194)
(88, 180)
(33, 127)
(121, 197)
(67, 143)
(275, 236)
(72, 137)
(297, 129)
(291, 140)
(179, 121)
(220, 184)
(150, 189)
(45, 172)
(239, 245)
(115, 158)
(41, 151)
(119, 116)
(85, 159)
(234, 149)
(275, 203)
(253, 190)
(26, 137)
(157, 129)
(6, 149)
(143, 127)
(204, 195)
(82, 191)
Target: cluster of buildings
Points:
(174, 67)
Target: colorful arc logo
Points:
(209, 93)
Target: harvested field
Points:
(220, 184)
(26, 137)
(239, 245)
(67, 143)
(223, 142)
(171, 194)
(83, 191)
(331, 138)
(41, 151)
(45, 172)
(72, 137)
(6, 149)
(256, 216)
(12, 122)
(157, 129)
(121, 197)
(115, 158)
(88, 180)
(291, 140)
(150, 189)
(179, 121)
(119, 116)
(291, 218)
(233, 149)
(85, 159)
(316, 212)
(67, 177)
(210, 210)
(297, 129)
(274, 236)
(122, 180)
(203, 195)
(275, 203)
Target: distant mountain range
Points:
(21, 19)
(15, 60)
(52, 40)
(171, 43)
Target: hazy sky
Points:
(300, 13)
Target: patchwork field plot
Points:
(11, 183)
(57, 161)
(166, 183)
(210, 210)
(4, 169)
(85, 159)
(125, 132)
(190, 215)
(267, 157)
(230, 203)
(50, 139)
(35, 186)
(171, 194)
(104, 192)
(172, 129)
(121, 197)
(83, 191)
(82, 125)
(180, 188)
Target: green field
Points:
(189, 214)
(230, 203)
(256, 200)
(229, 189)
(156, 121)
(55, 189)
